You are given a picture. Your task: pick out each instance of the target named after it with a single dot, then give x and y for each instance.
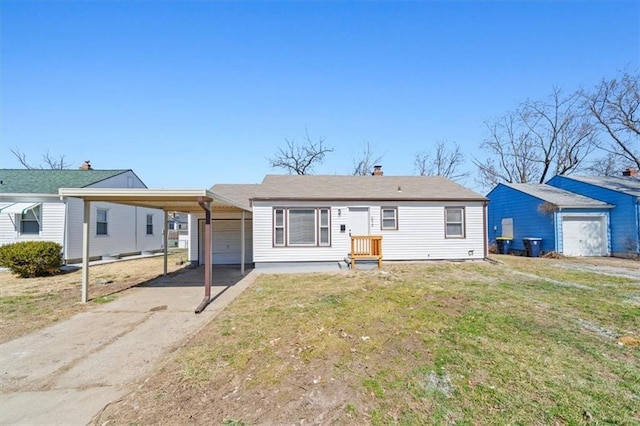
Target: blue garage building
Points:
(567, 223)
(623, 192)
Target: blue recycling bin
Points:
(532, 246)
(504, 244)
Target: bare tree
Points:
(446, 161)
(537, 140)
(50, 162)
(615, 104)
(363, 165)
(300, 158)
(609, 165)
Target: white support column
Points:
(85, 250)
(165, 240)
(242, 248)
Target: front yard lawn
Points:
(520, 342)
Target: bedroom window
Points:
(389, 218)
(30, 221)
(454, 222)
(102, 222)
(301, 227)
(149, 224)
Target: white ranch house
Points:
(31, 209)
(311, 219)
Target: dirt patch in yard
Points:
(27, 304)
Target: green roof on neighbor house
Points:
(46, 181)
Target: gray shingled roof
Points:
(46, 181)
(557, 196)
(239, 194)
(627, 184)
(339, 188)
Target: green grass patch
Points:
(101, 300)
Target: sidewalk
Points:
(65, 374)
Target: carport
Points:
(182, 200)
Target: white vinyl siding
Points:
(127, 226)
(51, 226)
(421, 236)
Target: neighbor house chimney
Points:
(630, 172)
(377, 171)
(86, 166)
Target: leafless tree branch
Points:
(615, 105)
(446, 161)
(363, 165)
(300, 159)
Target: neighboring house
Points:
(32, 210)
(178, 233)
(567, 223)
(291, 219)
(624, 194)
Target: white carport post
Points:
(165, 240)
(85, 251)
(242, 244)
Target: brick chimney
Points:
(86, 166)
(377, 171)
(630, 172)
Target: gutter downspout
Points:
(65, 230)
(165, 242)
(485, 231)
(207, 256)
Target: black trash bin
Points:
(532, 246)
(504, 244)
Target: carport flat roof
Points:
(182, 200)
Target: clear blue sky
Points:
(192, 93)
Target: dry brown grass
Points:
(27, 304)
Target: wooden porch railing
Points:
(366, 247)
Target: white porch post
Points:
(85, 251)
(165, 240)
(242, 249)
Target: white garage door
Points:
(226, 241)
(584, 236)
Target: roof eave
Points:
(7, 195)
(384, 199)
(604, 206)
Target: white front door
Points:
(584, 236)
(358, 221)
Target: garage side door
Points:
(584, 236)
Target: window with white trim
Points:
(454, 222)
(389, 219)
(102, 222)
(149, 224)
(278, 227)
(301, 226)
(30, 221)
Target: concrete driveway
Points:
(65, 374)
